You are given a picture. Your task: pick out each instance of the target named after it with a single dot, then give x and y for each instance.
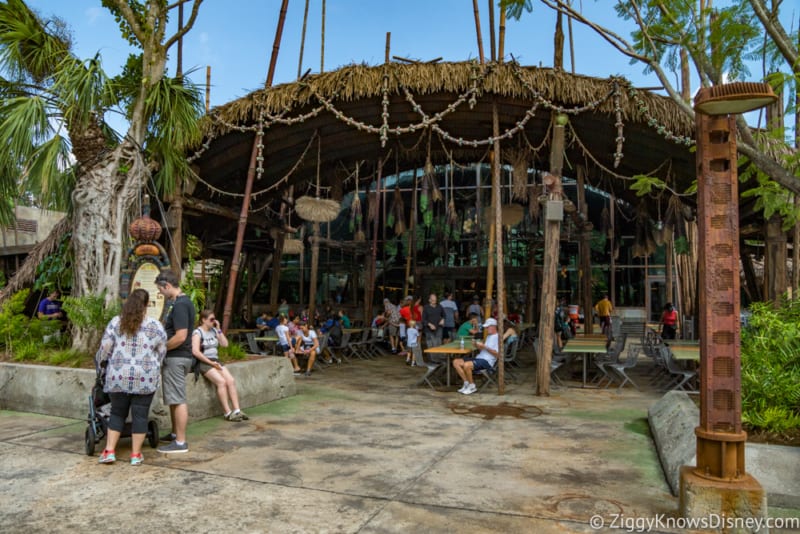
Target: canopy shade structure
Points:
(398, 113)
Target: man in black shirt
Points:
(433, 321)
(178, 322)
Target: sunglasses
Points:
(212, 318)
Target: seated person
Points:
(266, 321)
(486, 358)
(206, 340)
(470, 328)
(510, 334)
(50, 307)
(307, 344)
(344, 319)
(285, 343)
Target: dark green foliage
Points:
(234, 351)
(20, 333)
(771, 367)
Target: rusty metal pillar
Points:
(720, 439)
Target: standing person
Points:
(412, 335)
(604, 309)
(450, 316)
(308, 344)
(344, 319)
(392, 315)
(433, 321)
(476, 308)
(133, 347)
(285, 342)
(50, 306)
(206, 340)
(178, 323)
(669, 322)
(283, 309)
(489, 351)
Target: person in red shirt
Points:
(669, 322)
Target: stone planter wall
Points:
(65, 392)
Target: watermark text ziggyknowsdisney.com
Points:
(710, 522)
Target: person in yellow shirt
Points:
(604, 309)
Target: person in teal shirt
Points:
(344, 319)
(469, 328)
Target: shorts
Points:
(403, 331)
(284, 348)
(203, 367)
(478, 364)
(173, 376)
(392, 330)
(447, 331)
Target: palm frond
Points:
(49, 176)
(24, 123)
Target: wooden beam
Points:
(203, 206)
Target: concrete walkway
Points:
(357, 450)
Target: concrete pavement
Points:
(356, 450)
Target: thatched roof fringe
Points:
(26, 274)
(361, 81)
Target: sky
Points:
(235, 38)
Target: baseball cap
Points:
(490, 322)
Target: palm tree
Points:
(57, 143)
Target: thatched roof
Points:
(360, 82)
(26, 274)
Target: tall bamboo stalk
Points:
(478, 31)
(412, 234)
(251, 173)
(491, 30)
(302, 44)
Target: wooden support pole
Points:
(585, 283)
(251, 173)
(498, 256)
(412, 231)
(312, 284)
(552, 236)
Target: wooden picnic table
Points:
(685, 352)
(452, 349)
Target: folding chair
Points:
(510, 359)
(622, 369)
(430, 367)
(612, 356)
(680, 376)
(487, 374)
(252, 344)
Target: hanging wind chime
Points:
(356, 217)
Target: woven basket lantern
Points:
(317, 209)
(512, 215)
(292, 246)
(143, 228)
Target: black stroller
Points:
(100, 411)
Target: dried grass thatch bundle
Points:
(429, 180)
(373, 206)
(292, 246)
(317, 209)
(512, 215)
(534, 208)
(399, 210)
(518, 158)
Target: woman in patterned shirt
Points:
(133, 346)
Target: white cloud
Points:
(92, 14)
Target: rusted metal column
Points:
(720, 439)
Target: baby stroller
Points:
(100, 412)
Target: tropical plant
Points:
(53, 108)
(90, 314)
(193, 288)
(20, 333)
(233, 351)
(770, 354)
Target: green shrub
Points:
(771, 367)
(27, 350)
(89, 315)
(234, 351)
(69, 358)
(18, 332)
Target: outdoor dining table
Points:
(270, 341)
(452, 349)
(584, 348)
(685, 352)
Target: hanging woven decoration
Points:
(534, 207)
(356, 218)
(316, 209)
(399, 211)
(292, 246)
(373, 208)
(518, 158)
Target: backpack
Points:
(195, 362)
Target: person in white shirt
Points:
(282, 331)
(450, 317)
(307, 345)
(486, 358)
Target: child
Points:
(412, 336)
(286, 347)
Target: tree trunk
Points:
(102, 199)
(774, 261)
